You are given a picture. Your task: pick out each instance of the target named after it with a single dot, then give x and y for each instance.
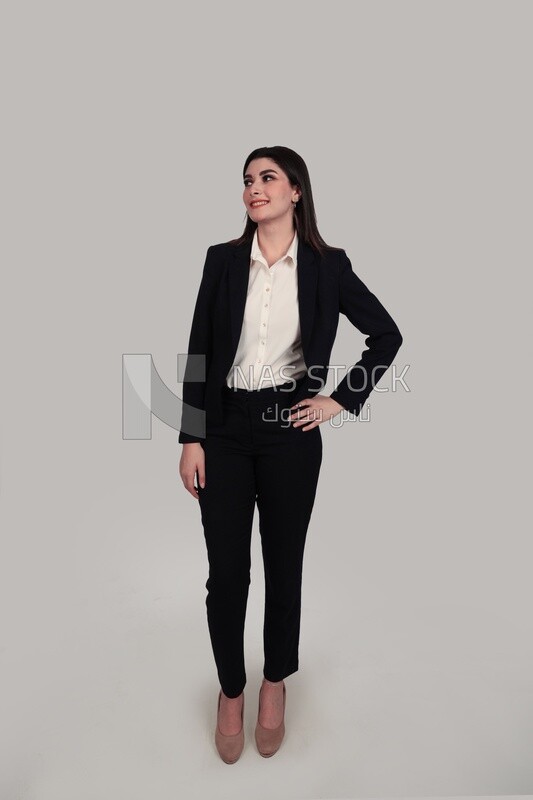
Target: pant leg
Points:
(287, 467)
(227, 507)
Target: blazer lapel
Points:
(239, 272)
(307, 287)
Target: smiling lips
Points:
(256, 203)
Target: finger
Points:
(299, 411)
(191, 488)
(308, 418)
(313, 424)
(309, 413)
(303, 404)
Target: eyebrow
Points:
(263, 172)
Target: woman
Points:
(266, 313)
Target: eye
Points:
(248, 181)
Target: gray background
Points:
(125, 130)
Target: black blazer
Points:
(327, 286)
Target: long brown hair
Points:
(296, 170)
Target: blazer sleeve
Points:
(383, 341)
(192, 427)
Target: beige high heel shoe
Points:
(268, 740)
(229, 746)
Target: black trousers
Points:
(257, 456)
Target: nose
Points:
(256, 187)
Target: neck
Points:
(275, 236)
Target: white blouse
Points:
(270, 336)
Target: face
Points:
(268, 187)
